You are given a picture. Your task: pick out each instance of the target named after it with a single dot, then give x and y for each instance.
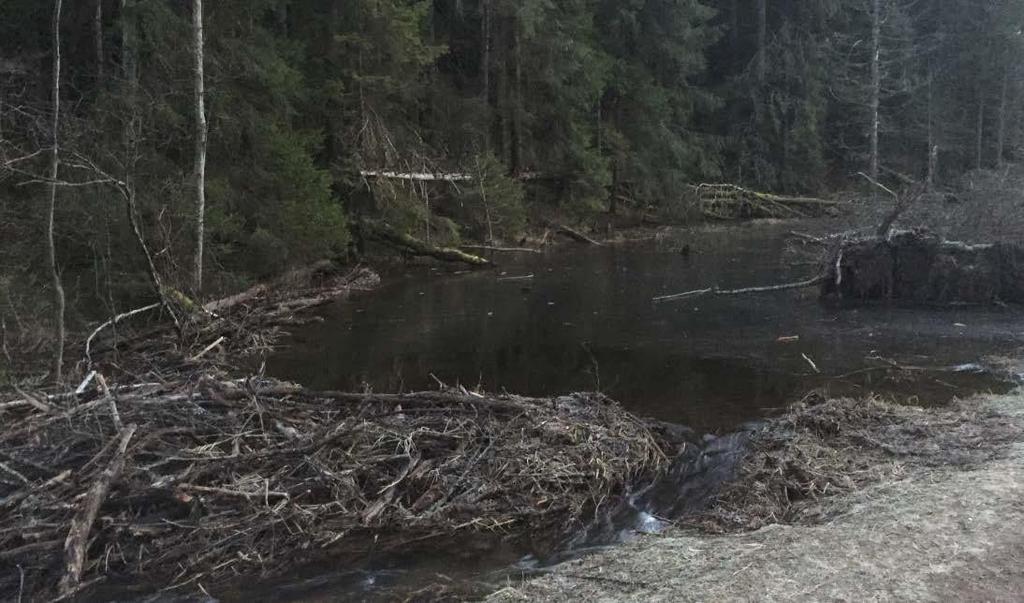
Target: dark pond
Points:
(585, 321)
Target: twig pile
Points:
(821, 448)
(228, 331)
(201, 481)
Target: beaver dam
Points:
(201, 481)
(186, 471)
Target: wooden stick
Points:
(112, 322)
(716, 291)
(207, 349)
(85, 383)
(81, 526)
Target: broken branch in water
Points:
(716, 291)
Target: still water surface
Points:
(585, 321)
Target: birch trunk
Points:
(97, 35)
(980, 130)
(200, 151)
(1001, 133)
(485, 63)
(933, 149)
(58, 287)
(876, 82)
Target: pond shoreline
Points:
(206, 371)
(931, 513)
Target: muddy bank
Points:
(847, 500)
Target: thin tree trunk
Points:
(980, 130)
(876, 82)
(762, 40)
(933, 150)
(58, 288)
(97, 33)
(734, 32)
(517, 105)
(200, 157)
(132, 131)
(485, 62)
(1001, 133)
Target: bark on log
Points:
(78, 536)
(576, 235)
(408, 244)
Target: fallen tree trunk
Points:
(81, 526)
(920, 268)
(731, 202)
(501, 249)
(576, 235)
(406, 243)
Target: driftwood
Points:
(812, 282)
(406, 243)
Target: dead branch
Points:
(411, 245)
(576, 235)
(501, 249)
(716, 291)
(112, 322)
(81, 525)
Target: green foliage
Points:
(593, 103)
(492, 205)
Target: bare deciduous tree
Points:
(200, 151)
(876, 82)
(51, 249)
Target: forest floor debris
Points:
(839, 500)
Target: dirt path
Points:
(921, 534)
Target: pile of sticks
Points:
(193, 483)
